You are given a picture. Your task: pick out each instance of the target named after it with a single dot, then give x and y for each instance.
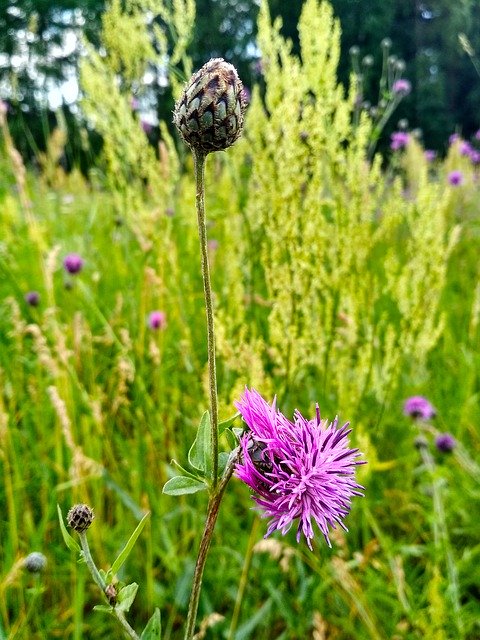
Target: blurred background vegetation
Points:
(340, 277)
(42, 41)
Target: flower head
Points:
(35, 562)
(419, 407)
(157, 320)
(453, 138)
(402, 87)
(80, 517)
(477, 135)
(73, 263)
(430, 155)
(32, 298)
(475, 156)
(455, 178)
(300, 470)
(445, 442)
(399, 139)
(209, 114)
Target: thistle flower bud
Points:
(209, 114)
(35, 562)
(80, 517)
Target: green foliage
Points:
(334, 281)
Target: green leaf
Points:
(69, 541)
(180, 485)
(125, 552)
(226, 424)
(200, 454)
(223, 458)
(153, 630)
(104, 608)
(126, 596)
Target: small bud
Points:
(354, 51)
(209, 114)
(80, 517)
(111, 593)
(368, 61)
(421, 442)
(386, 43)
(35, 562)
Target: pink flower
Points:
(157, 320)
(73, 263)
(402, 87)
(299, 471)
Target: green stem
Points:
(212, 513)
(199, 161)
(100, 582)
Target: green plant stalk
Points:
(199, 161)
(441, 538)
(212, 513)
(100, 582)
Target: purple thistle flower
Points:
(445, 442)
(299, 470)
(32, 298)
(402, 87)
(477, 135)
(455, 178)
(157, 320)
(455, 137)
(419, 407)
(465, 148)
(73, 263)
(399, 140)
(475, 156)
(430, 155)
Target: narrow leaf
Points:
(125, 552)
(180, 485)
(153, 630)
(200, 454)
(71, 543)
(126, 596)
(104, 608)
(226, 424)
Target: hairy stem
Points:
(100, 582)
(199, 160)
(212, 513)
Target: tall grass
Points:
(334, 281)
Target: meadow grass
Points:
(334, 282)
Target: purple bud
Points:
(465, 148)
(455, 178)
(475, 156)
(32, 298)
(455, 137)
(399, 140)
(402, 87)
(157, 320)
(430, 155)
(419, 407)
(73, 263)
(445, 442)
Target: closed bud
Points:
(35, 562)
(209, 114)
(80, 517)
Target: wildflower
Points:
(35, 562)
(157, 320)
(401, 87)
(419, 407)
(455, 178)
(299, 470)
(465, 148)
(147, 127)
(445, 442)
(430, 155)
(399, 140)
(32, 298)
(455, 137)
(475, 156)
(209, 114)
(80, 517)
(477, 135)
(73, 263)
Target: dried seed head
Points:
(35, 562)
(80, 517)
(209, 114)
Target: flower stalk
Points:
(199, 161)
